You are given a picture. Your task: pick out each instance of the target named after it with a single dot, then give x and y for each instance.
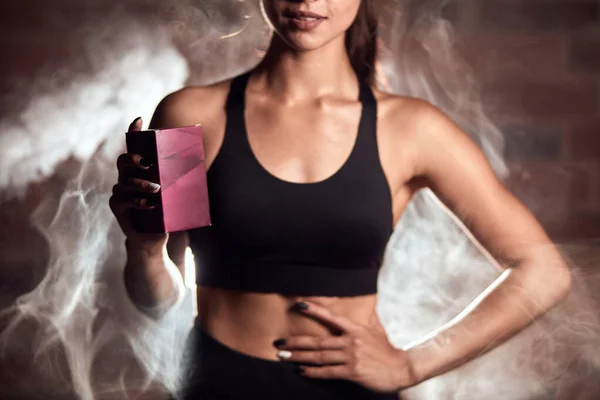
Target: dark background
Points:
(537, 63)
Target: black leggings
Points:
(218, 372)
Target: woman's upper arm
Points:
(457, 171)
(186, 107)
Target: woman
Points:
(309, 169)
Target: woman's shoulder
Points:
(414, 124)
(191, 104)
(195, 97)
(400, 106)
(405, 111)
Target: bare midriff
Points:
(249, 322)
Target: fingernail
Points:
(145, 163)
(300, 306)
(154, 186)
(279, 342)
(151, 203)
(137, 119)
(284, 354)
(300, 369)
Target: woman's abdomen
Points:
(249, 322)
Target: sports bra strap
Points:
(366, 96)
(237, 89)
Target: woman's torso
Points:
(303, 143)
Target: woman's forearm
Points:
(153, 282)
(513, 301)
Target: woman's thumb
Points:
(136, 125)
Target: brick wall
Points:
(538, 63)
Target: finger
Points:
(131, 160)
(327, 372)
(120, 203)
(326, 316)
(313, 343)
(136, 125)
(136, 185)
(321, 357)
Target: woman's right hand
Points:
(128, 194)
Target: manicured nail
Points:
(279, 342)
(145, 163)
(300, 306)
(137, 119)
(284, 354)
(151, 203)
(300, 369)
(155, 187)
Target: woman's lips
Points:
(304, 20)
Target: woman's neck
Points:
(299, 76)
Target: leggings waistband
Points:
(209, 345)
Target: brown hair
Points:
(361, 41)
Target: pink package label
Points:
(177, 157)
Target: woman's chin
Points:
(302, 42)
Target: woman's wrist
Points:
(144, 250)
(407, 375)
(152, 280)
(428, 358)
(412, 377)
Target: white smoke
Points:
(89, 111)
(79, 313)
(89, 342)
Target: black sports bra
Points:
(269, 235)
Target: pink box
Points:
(177, 157)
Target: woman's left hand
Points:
(360, 354)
